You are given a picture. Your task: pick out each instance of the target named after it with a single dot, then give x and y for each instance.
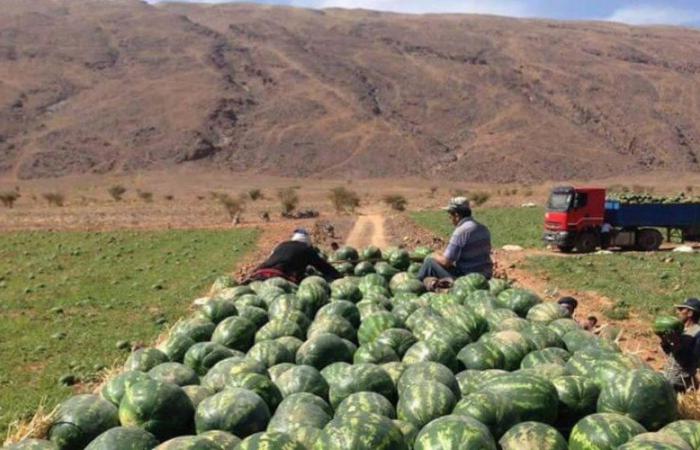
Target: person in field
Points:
(569, 304)
(291, 258)
(683, 349)
(469, 249)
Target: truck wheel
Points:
(565, 248)
(649, 240)
(586, 242)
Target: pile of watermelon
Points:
(373, 362)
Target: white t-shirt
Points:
(606, 228)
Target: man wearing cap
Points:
(290, 259)
(683, 350)
(469, 249)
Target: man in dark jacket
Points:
(290, 259)
(683, 350)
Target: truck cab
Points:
(573, 218)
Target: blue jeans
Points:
(431, 268)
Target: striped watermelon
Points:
(546, 312)
(176, 347)
(428, 371)
(271, 353)
(291, 343)
(361, 432)
(495, 316)
(603, 431)
(323, 349)
(259, 384)
(198, 329)
(394, 370)
(471, 380)
(306, 436)
(454, 433)
(346, 289)
(251, 300)
(464, 319)
(255, 314)
(513, 345)
(424, 402)
(334, 372)
(269, 441)
(145, 359)
(80, 419)
(576, 340)
(542, 336)
(188, 443)
(481, 356)
(302, 379)
(399, 339)
(667, 325)
(276, 371)
(362, 378)
(235, 332)
(368, 308)
(532, 436)
(533, 397)
(643, 395)
(432, 350)
(497, 285)
(511, 323)
(550, 355)
(202, 356)
(176, 373)
(313, 296)
(241, 412)
(654, 441)
(300, 410)
(519, 300)
(114, 389)
(548, 371)
(472, 282)
(278, 328)
(375, 353)
(128, 438)
(197, 393)
(225, 440)
(343, 308)
(408, 430)
(366, 402)
(688, 430)
(363, 268)
(399, 259)
(218, 376)
(492, 409)
(374, 325)
(386, 270)
(578, 397)
(218, 309)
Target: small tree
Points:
(116, 192)
(255, 194)
(396, 202)
(54, 198)
(9, 198)
(288, 199)
(478, 198)
(145, 196)
(344, 200)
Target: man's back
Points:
(293, 258)
(470, 248)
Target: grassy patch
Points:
(647, 283)
(67, 298)
(519, 226)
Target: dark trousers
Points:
(431, 268)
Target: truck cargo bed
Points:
(662, 215)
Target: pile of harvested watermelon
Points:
(372, 362)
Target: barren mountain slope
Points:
(97, 86)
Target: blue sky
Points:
(671, 12)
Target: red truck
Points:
(583, 219)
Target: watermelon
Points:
(371, 252)
(688, 430)
(409, 285)
(218, 376)
(198, 329)
(235, 333)
(514, 346)
(366, 402)
(404, 310)
(603, 431)
(578, 397)
(394, 370)
(361, 432)
(386, 270)
(269, 441)
(259, 384)
(408, 430)
(217, 309)
(363, 268)
(424, 402)
(362, 378)
(235, 292)
(123, 438)
(197, 393)
(188, 443)
(313, 296)
(347, 253)
(278, 282)
(497, 285)
(225, 440)
(346, 289)
(398, 339)
(299, 318)
(511, 323)
(472, 282)
(548, 371)
(290, 343)
(420, 253)
(334, 372)
(551, 355)
(345, 269)
(270, 353)
(464, 319)
(533, 436)
(306, 436)
(576, 340)
(32, 444)
(494, 317)
(534, 398)
(372, 280)
(176, 347)
(145, 359)
(375, 353)
(300, 410)
(400, 259)
(492, 409)
(428, 372)
(278, 328)
(239, 411)
(176, 373)
(202, 356)
(276, 371)
(664, 325)
(546, 312)
(432, 350)
(343, 308)
(542, 336)
(519, 300)
(368, 308)
(481, 356)
(655, 441)
(374, 325)
(255, 314)
(316, 281)
(643, 395)
(454, 433)
(323, 349)
(332, 324)
(80, 419)
(251, 300)
(163, 409)
(302, 379)
(563, 326)
(222, 282)
(113, 390)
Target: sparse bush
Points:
(169, 197)
(117, 192)
(54, 198)
(9, 198)
(396, 202)
(255, 194)
(527, 192)
(233, 206)
(288, 199)
(200, 197)
(689, 189)
(433, 191)
(343, 199)
(145, 196)
(478, 198)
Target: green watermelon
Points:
(145, 359)
(576, 340)
(667, 325)
(420, 253)
(218, 309)
(113, 390)
(172, 372)
(276, 371)
(656, 441)
(313, 296)
(366, 402)
(290, 343)
(432, 350)
(255, 314)
(198, 329)
(603, 431)
(332, 324)
(398, 339)
(225, 440)
(548, 371)
(643, 395)
(368, 308)
(346, 289)
(371, 252)
(197, 393)
(223, 282)
(176, 347)
(492, 409)
(472, 282)
(454, 433)
(343, 308)
(374, 325)
(481, 356)
(334, 372)
(421, 403)
(533, 436)
(188, 443)
(344, 268)
(270, 353)
(688, 430)
(494, 317)
(362, 378)
(123, 438)
(464, 319)
(317, 281)
(578, 397)
(514, 346)
(386, 270)
(534, 398)
(375, 353)
(361, 432)
(408, 430)
(563, 326)
(363, 268)
(542, 336)
(519, 300)
(202, 356)
(306, 436)
(218, 376)
(323, 349)
(260, 384)
(300, 410)
(163, 409)
(235, 333)
(302, 379)
(347, 253)
(551, 355)
(512, 323)
(251, 300)
(269, 441)
(408, 285)
(400, 259)
(239, 411)
(497, 285)
(404, 310)
(428, 371)
(394, 370)
(80, 419)
(32, 444)
(546, 312)
(278, 328)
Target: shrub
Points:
(343, 199)
(116, 192)
(169, 197)
(288, 199)
(527, 192)
(433, 191)
(233, 206)
(9, 198)
(145, 196)
(255, 194)
(54, 198)
(396, 202)
(689, 189)
(478, 198)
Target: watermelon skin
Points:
(546, 312)
(513, 344)
(481, 356)
(533, 397)
(276, 371)
(218, 309)
(542, 337)
(219, 375)
(300, 410)
(428, 371)
(333, 324)
(175, 373)
(519, 301)
(563, 326)
(362, 378)
(472, 282)
(202, 356)
(643, 395)
(664, 325)
(269, 441)
(197, 393)
(80, 419)
(188, 443)
(251, 300)
(493, 410)
(578, 397)
(688, 430)
(302, 379)
(471, 380)
(235, 333)
(424, 402)
(322, 350)
(145, 359)
(114, 389)
(239, 411)
(162, 409)
(225, 440)
(374, 325)
(255, 314)
(278, 328)
(366, 402)
(32, 444)
(198, 329)
(375, 353)
(123, 438)
(464, 319)
(399, 339)
(306, 436)
(454, 433)
(655, 441)
(533, 436)
(343, 308)
(271, 353)
(176, 347)
(361, 432)
(432, 350)
(603, 431)
(551, 355)
(259, 384)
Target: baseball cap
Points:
(457, 204)
(301, 235)
(690, 303)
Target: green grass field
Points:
(519, 226)
(67, 298)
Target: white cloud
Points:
(515, 8)
(654, 15)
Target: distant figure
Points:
(469, 249)
(265, 216)
(591, 324)
(605, 235)
(236, 219)
(683, 350)
(569, 304)
(290, 259)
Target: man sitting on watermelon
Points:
(469, 249)
(680, 340)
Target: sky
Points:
(650, 12)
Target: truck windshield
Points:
(559, 201)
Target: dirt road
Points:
(368, 230)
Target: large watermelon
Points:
(346, 289)
(188, 443)
(362, 378)
(80, 419)
(333, 324)
(375, 324)
(366, 402)
(202, 356)
(199, 329)
(235, 333)
(519, 300)
(113, 390)
(255, 314)
(176, 373)
(432, 350)
(534, 398)
(197, 393)
(123, 438)
(323, 349)
(176, 346)
(259, 384)
(471, 380)
(563, 326)
(399, 339)
(239, 411)
(492, 409)
(302, 379)
(424, 402)
(454, 433)
(361, 432)
(144, 359)
(688, 430)
(270, 353)
(343, 308)
(225, 440)
(578, 397)
(551, 355)
(218, 309)
(472, 282)
(269, 441)
(301, 410)
(375, 353)
(481, 356)
(371, 253)
(603, 431)
(546, 312)
(532, 436)
(513, 344)
(667, 325)
(278, 328)
(656, 441)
